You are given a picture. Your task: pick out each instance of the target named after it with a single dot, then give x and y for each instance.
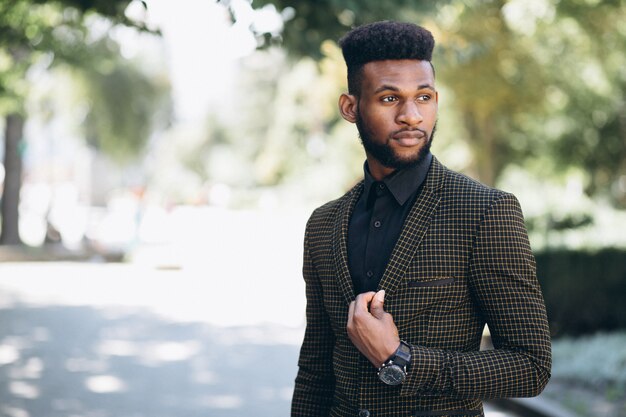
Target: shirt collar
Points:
(401, 183)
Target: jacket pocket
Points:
(412, 303)
(431, 283)
(448, 413)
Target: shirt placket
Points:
(376, 234)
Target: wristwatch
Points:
(393, 371)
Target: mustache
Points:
(409, 129)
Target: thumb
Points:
(376, 306)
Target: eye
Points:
(388, 99)
(424, 97)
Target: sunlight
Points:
(169, 351)
(14, 412)
(8, 354)
(102, 384)
(118, 348)
(32, 369)
(216, 267)
(24, 389)
(222, 401)
(85, 365)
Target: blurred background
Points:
(160, 160)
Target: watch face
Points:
(392, 375)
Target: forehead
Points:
(400, 73)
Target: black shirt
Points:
(377, 221)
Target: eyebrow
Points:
(386, 87)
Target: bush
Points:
(585, 292)
(598, 360)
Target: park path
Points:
(205, 319)
(121, 340)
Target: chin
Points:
(415, 157)
(410, 159)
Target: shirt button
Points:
(369, 274)
(381, 186)
(377, 223)
(364, 413)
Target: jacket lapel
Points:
(340, 242)
(414, 228)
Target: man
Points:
(404, 270)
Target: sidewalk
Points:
(61, 361)
(207, 323)
(124, 340)
(118, 340)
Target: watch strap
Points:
(402, 356)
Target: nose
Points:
(409, 114)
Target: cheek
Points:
(431, 115)
(379, 122)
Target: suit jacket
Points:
(462, 260)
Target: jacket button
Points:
(364, 413)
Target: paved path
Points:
(102, 340)
(80, 361)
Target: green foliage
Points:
(495, 81)
(598, 360)
(537, 84)
(125, 104)
(585, 292)
(589, 374)
(284, 134)
(107, 8)
(122, 98)
(300, 138)
(30, 28)
(310, 23)
(590, 85)
(40, 34)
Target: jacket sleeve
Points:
(315, 383)
(503, 283)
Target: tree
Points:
(588, 89)
(309, 23)
(495, 81)
(125, 103)
(540, 81)
(477, 61)
(29, 31)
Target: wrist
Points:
(394, 370)
(390, 352)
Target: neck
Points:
(378, 170)
(381, 174)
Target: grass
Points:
(589, 374)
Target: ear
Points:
(348, 107)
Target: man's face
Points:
(395, 113)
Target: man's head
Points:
(380, 41)
(392, 97)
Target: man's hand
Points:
(371, 329)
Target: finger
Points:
(350, 322)
(363, 300)
(376, 306)
(351, 311)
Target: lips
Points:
(408, 137)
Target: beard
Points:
(384, 153)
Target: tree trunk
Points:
(481, 136)
(621, 173)
(487, 154)
(12, 180)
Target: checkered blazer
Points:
(462, 260)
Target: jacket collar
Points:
(402, 183)
(413, 231)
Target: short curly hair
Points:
(380, 41)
